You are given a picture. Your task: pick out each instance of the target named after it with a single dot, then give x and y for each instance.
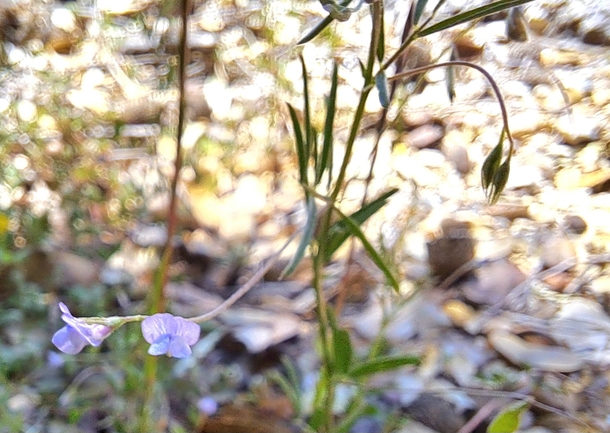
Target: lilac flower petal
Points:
(77, 333)
(68, 340)
(160, 346)
(188, 330)
(158, 325)
(170, 335)
(178, 348)
(64, 309)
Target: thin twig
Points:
(157, 302)
(245, 288)
(484, 412)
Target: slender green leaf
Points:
(316, 30)
(319, 411)
(470, 15)
(342, 347)
(288, 389)
(327, 145)
(419, 10)
(381, 82)
(354, 230)
(508, 420)
(306, 109)
(317, 418)
(338, 232)
(379, 365)
(321, 26)
(314, 144)
(300, 145)
(310, 228)
(356, 409)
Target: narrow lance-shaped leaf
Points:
(331, 103)
(381, 82)
(340, 13)
(338, 232)
(355, 231)
(289, 390)
(379, 365)
(317, 417)
(308, 233)
(419, 10)
(302, 155)
(314, 144)
(342, 347)
(316, 30)
(306, 109)
(320, 27)
(470, 15)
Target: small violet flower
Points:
(207, 406)
(171, 335)
(77, 333)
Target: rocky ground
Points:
(502, 302)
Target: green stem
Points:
(322, 240)
(157, 299)
(482, 70)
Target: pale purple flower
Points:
(171, 335)
(77, 333)
(207, 406)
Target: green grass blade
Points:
(300, 145)
(375, 257)
(316, 30)
(310, 228)
(349, 226)
(289, 390)
(338, 232)
(306, 109)
(470, 15)
(327, 145)
(419, 10)
(379, 365)
(342, 347)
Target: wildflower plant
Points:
(78, 333)
(170, 335)
(327, 227)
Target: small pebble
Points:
(575, 224)
(425, 136)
